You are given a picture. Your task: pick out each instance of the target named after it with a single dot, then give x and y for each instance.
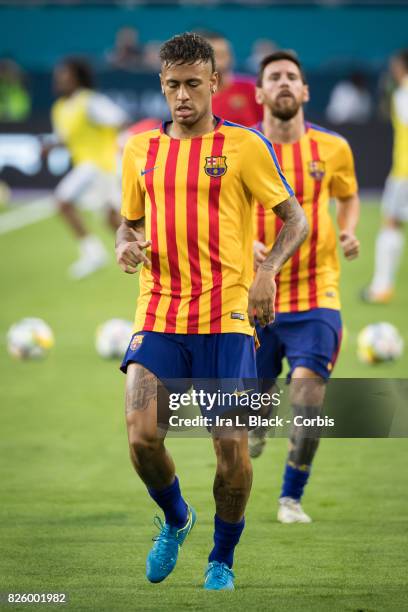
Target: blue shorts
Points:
(310, 339)
(169, 356)
(224, 362)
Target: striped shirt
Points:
(319, 166)
(197, 197)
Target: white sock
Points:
(388, 251)
(91, 245)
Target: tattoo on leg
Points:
(304, 442)
(143, 393)
(230, 501)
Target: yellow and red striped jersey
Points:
(319, 166)
(197, 196)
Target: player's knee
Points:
(233, 458)
(143, 447)
(392, 223)
(64, 207)
(306, 388)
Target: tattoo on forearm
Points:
(143, 392)
(291, 236)
(130, 231)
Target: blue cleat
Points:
(162, 557)
(219, 577)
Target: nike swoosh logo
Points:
(143, 172)
(243, 392)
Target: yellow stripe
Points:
(158, 183)
(181, 234)
(203, 240)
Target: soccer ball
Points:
(29, 339)
(379, 342)
(112, 338)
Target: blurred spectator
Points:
(151, 59)
(235, 98)
(15, 103)
(127, 53)
(350, 101)
(260, 49)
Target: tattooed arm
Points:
(261, 302)
(130, 242)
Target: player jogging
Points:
(307, 327)
(188, 189)
(390, 240)
(87, 123)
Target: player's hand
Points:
(349, 244)
(260, 253)
(261, 298)
(130, 254)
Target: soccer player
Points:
(390, 240)
(188, 190)
(307, 327)
(235, 96)
(87, 123)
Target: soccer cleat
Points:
(256, 442)
(162, 557)
(219, 577)
(93, 256)
(290, 511)
(381, 297)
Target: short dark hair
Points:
(82, 70)
(210, 34)
(276, 56)
(187, 48)
(402, 56)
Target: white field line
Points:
(26, 215)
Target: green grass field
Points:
(74, 518)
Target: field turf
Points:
(74, 518)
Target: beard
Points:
(285, 108)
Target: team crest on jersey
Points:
(215, 166)
(317, 169)
(136, 342)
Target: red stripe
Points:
(260, 215)
(150, 317)
(214, 240)
(278, 226)
(294, 271)
(171, 237)
(192, 234)
(337, 351)
(314, 233)
(278, 151)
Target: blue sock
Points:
(172, 504)
(226, 537)
(294, 482)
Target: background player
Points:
(307, 328)
(188, 190)
(87, 123)
(390, 240)
(235, 96)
